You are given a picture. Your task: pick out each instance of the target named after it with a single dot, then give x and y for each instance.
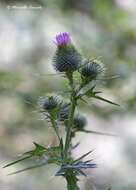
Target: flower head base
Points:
(50, 103)
(66, 59)
(91, 70)
(62, 39)
(79, 122)
(64, 112)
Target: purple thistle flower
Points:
(62, 39)
(66, 59)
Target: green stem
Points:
(69, 127)
(55, 127)
(69, 175)
(71, 181)
(71, 116)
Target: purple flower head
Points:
(62, 39)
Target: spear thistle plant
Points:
(59, 112)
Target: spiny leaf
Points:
(39, 146)
(76, 145)
(105, 100)
(83, 156)
(28, 168)
(91, 93)
(55, 149)
(83, 100)
(79, 165)
(98, 133)
(93, 87)
(97, 92)
(87, 161)
(83, 165)
(51, 160)
(109, 77)
(74, 168)
(81, 172)
(38, 151)
(19, 160)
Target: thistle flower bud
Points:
(91, 70)
(66, 59)
(79, 122)
(64, 112)
(50, 103)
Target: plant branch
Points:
(55, 127)
(71, 115)
(71, 181)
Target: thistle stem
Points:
(55, 127)
(71, 182)
(70, 124)
(71, 116)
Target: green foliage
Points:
(52, 155)
(93, 94)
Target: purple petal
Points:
(62, 39)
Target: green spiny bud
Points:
(79, 122)
(91, 70)
(50, 103)
(64, 112)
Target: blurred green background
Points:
(99, 28)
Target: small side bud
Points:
(79, 122)
(64, 112)
(50, 103)
(91, 70)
